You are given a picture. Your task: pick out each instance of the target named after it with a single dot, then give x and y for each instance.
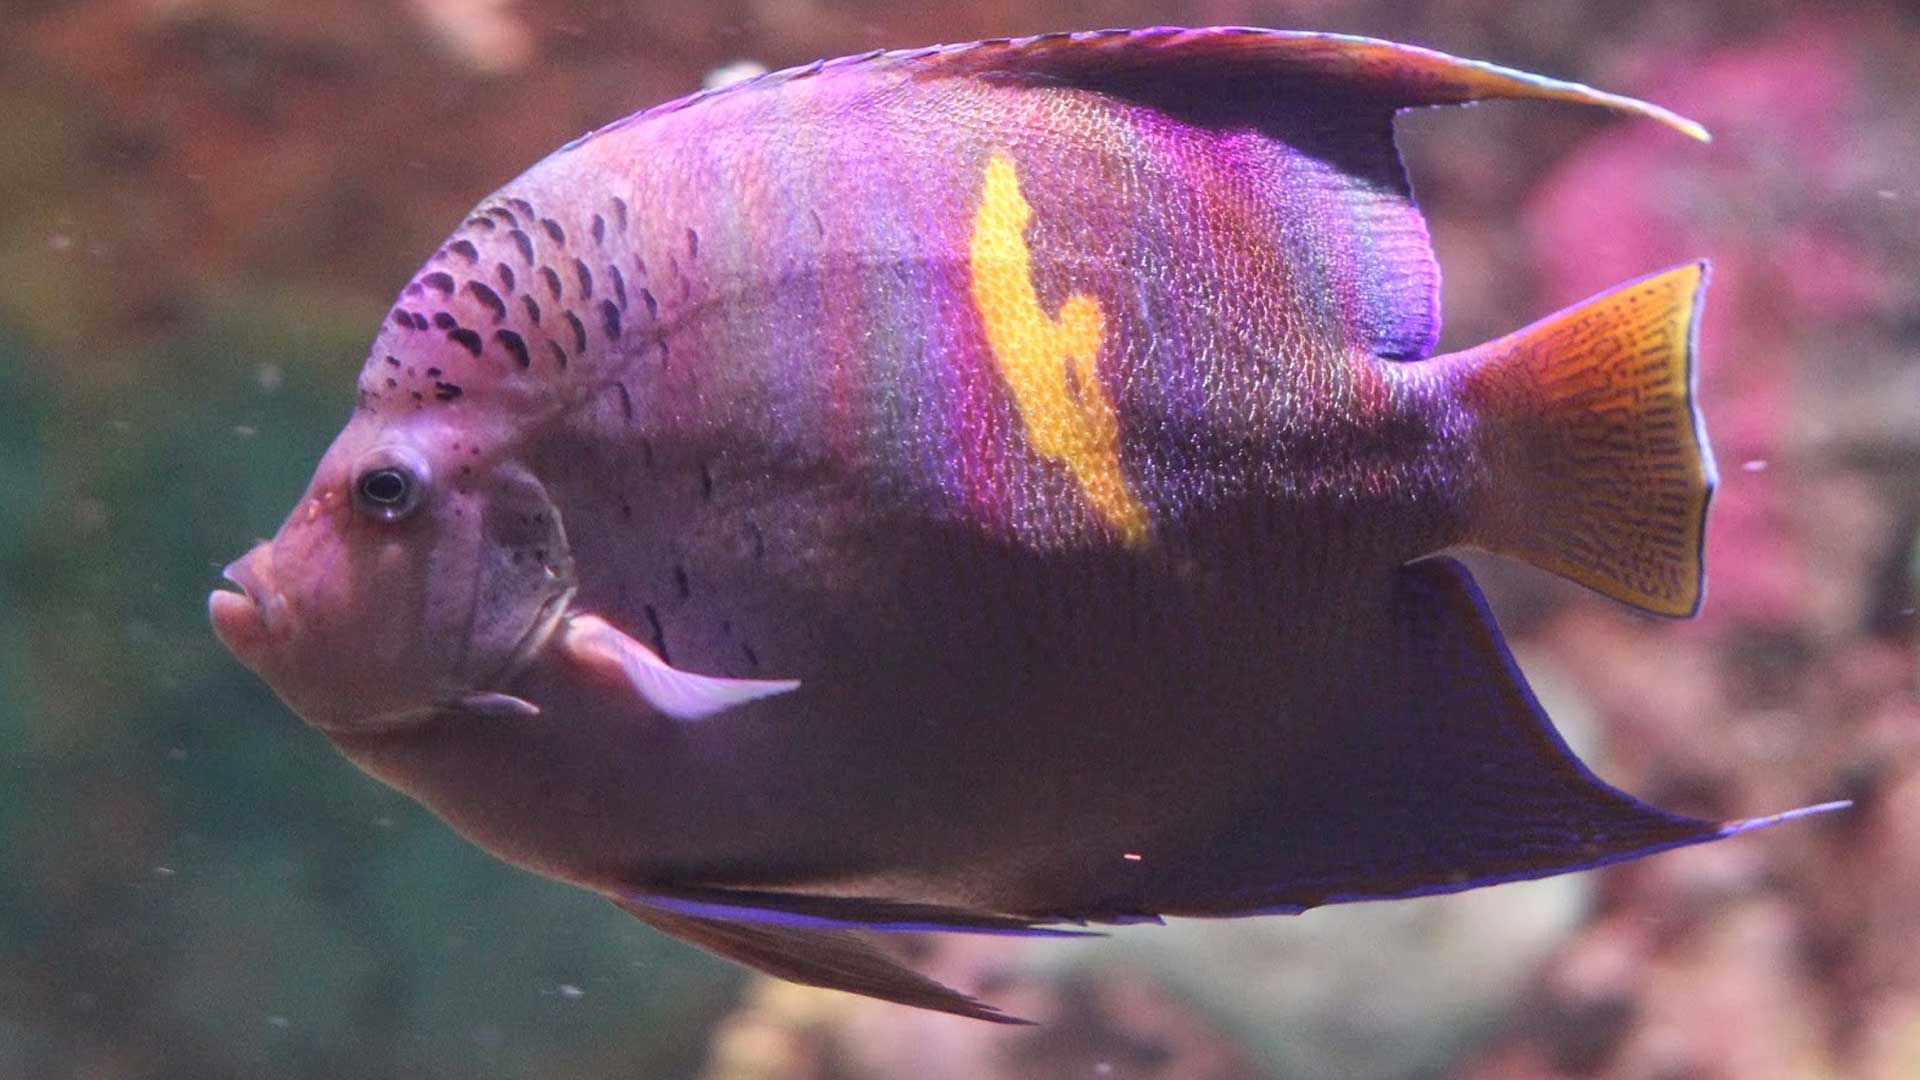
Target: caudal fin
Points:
(1600, 466)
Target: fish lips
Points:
(252, 619)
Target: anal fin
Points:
(802, 910)
(834, 959)
(1439, 772)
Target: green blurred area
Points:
(207, 208)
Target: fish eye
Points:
(390, 485)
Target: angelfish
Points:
(997, 487)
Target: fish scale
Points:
(985, 488)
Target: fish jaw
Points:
(252, 620)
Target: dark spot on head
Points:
(586, 279)
(525, 208)
(610, 319)
(414, 288)
(640, 265)
(533, 308)
(620, 213)
(393, 361)
(484, 224)
(401, 320)
(559, 354)
(554, 230)
(465, 249)
(466, 339)
(599, 229)
(433, 373)
(626, 400)
(419, 320)
(524, 244)
(579, 332)
(446, 391)
(706, 482)
(626, 510)
(445, 321)
(757, 541)
(652, 305)
(552, 279)
(659, 635)
(505, 274)
(661, 340)
(693, 243)
(392, 382)
(503, 214)
(619, 285)
(818, 225)
(418, 397)
(514, 344)
(440, 280)
(682, 588)
(753, 658)
(489, 298)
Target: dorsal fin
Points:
(1404, 76)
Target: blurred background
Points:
(205, 208)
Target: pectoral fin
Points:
(835, 959)
(682, 695)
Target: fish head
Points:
(425, 563)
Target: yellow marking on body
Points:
(1050, 364)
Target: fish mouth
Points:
(249, 619)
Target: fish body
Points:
(982, 488)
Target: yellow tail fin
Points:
(1602, 469)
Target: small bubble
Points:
(383, 822)
(1132, 856)
(1887, 193)
(245, 431)
(1756, 465)
(571, 992)
(269, 377)
(163, 871)
(1104, 1068)
(278, 1021)
(60, 242)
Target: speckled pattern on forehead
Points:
(519, 292)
